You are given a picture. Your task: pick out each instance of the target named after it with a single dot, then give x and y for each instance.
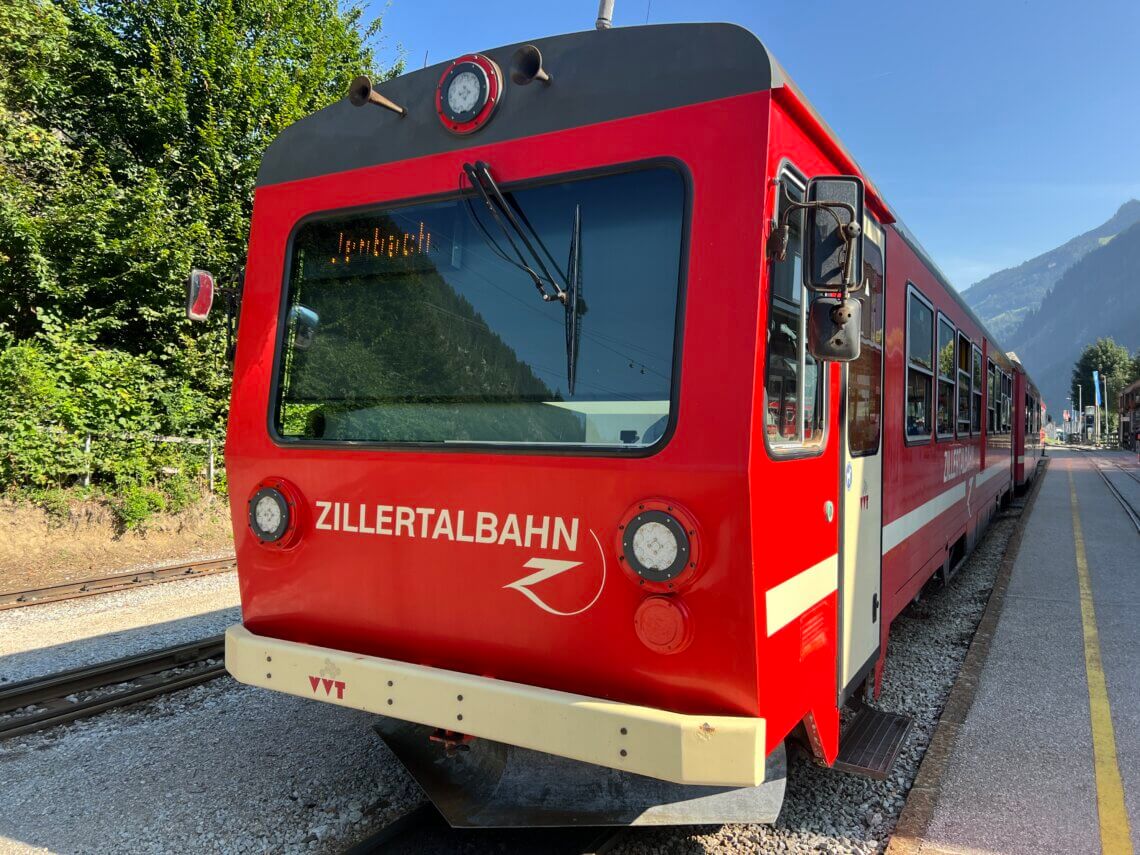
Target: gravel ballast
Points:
(218, 768)
(41, 639)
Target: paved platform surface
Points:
(1026, 774)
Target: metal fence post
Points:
(210, 468)
(87, 461)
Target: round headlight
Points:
(268, 515)
(656, 546)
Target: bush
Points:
(59, 388)
(180, 492)
(57, 504)
(135, 505)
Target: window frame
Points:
(959, 351)
(513, 448)
(977, 385)
(918, 439)
(881, 248)
(799, 448)
(939, 378)
(992, 424)
(1007, 401)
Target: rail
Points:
(44, 702)
(118, 582)
(1130, 509)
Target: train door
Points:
(862, 481)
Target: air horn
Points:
(526, 65)
(360, 92)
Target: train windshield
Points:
(407, 325)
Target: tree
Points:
(130, 136)
(1111, 360)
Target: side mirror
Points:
(306, 321)
(199, 294)
(833, 234)
(833, 266)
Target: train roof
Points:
(598, 73)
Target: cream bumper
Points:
(685, 749)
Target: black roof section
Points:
(599, 75)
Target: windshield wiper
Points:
(511, 220)
(513, 223)
(575, 305)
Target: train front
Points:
(488, 449)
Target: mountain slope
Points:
(1098, 296)
(1003, 299)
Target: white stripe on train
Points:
(896, 531)
(790, 599)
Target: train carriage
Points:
(593, 416)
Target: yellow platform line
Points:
(1115, 836)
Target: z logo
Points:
(548, 568)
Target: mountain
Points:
(1003, 299)
(1097, 296)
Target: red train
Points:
(593, 417)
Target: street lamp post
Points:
(1081, 409)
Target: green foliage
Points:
(180, 493)
(130, 137)
(1114, 364)
(132, 507)
(56, 503)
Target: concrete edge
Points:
(918, 810)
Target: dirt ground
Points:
(37, 550)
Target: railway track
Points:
(118, 582)
(44, 702)
(425, 832)
(1130, 508)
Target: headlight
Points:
(269, 515)
(656, 546)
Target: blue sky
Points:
(997, 129)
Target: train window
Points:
(865, 374)
(964, 397)
(991, 398)
(792, 374)
(976, 410)
(920, 364)
(404, 325)
(945, 420)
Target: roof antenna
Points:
(605, 14)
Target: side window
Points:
(794, 379)
(945, 377)
(865, 374)
(991, 398)
(964, 397)
(976, 412)
(919, 364)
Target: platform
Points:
(1048, 757)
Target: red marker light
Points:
(199, 294)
